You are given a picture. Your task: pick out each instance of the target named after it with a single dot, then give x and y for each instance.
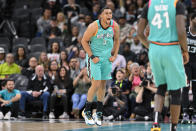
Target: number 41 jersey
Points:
(191, 42)
(162, 21)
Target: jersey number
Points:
(157, 20)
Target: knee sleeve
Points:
(175, 97)
(162, 89)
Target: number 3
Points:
(157, 21)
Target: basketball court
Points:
(71, 125)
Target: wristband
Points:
(92, 56)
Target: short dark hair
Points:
(104, 8)
(10, 79)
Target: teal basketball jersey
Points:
(102, 43)
(162, 21)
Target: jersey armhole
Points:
(96, 29)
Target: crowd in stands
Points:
(46, 66)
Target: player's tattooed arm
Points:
(116, 42)
(141, 28)
(90, 32)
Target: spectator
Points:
(81, 84)
(120, 82)
(115, 104)
(62, 91)
(136, 45)
(128, 54)
(9, 67)
(8, 100)
(38, 88)
(61, 21)
(2, 55)
(144, 99)
(140, 6)
(131, 16)
(52, 31)
(63, 59)
(74, 65)
(119, 62)
(128, 69)
(44, 21)
(54, 5)
(71, 9)
(95, 10)
(43, 60)
(124, 28)
(28, 72)
(54, 52)
(53, 67)
(82, 58)
(21, 57)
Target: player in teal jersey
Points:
(101, 43)
(167, 48)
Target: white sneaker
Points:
(88, 118)
(97, 118)
(1, 116)
(51, 115)
(7, 116)
(64, 116)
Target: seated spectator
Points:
(28, 72)
(62, 91)
(8, 101)
(115, 104)
(9, 67)
(21, 57)
(71, 9)
(63, 59)
(120, 82)
(43, 60)
(127, 53)
(82, 58)
(54, 6)
(144, 100)
(119, 62)
(54, 53)
(61, 21)
(38, 88)
(74, 65)
(52, 31)
(53, 68)
(81, 84)
(136, 45)
(44, 21)
(2, 55)
(128, 69)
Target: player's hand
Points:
(185, 57)
(112, 58)
(95, 60)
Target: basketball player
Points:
(191, 73)
(101, 43)
(167, 44)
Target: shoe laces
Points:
(99, 115)
(88, 115)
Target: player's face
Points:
(107, 16)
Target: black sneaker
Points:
(45, 116)
(21, 115)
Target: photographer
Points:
(144, 99)
(115, 104)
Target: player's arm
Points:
(90, 32)
(116, 40)
(180, 25)
(142, 26)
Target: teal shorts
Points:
(101, 70)
(167, 66)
